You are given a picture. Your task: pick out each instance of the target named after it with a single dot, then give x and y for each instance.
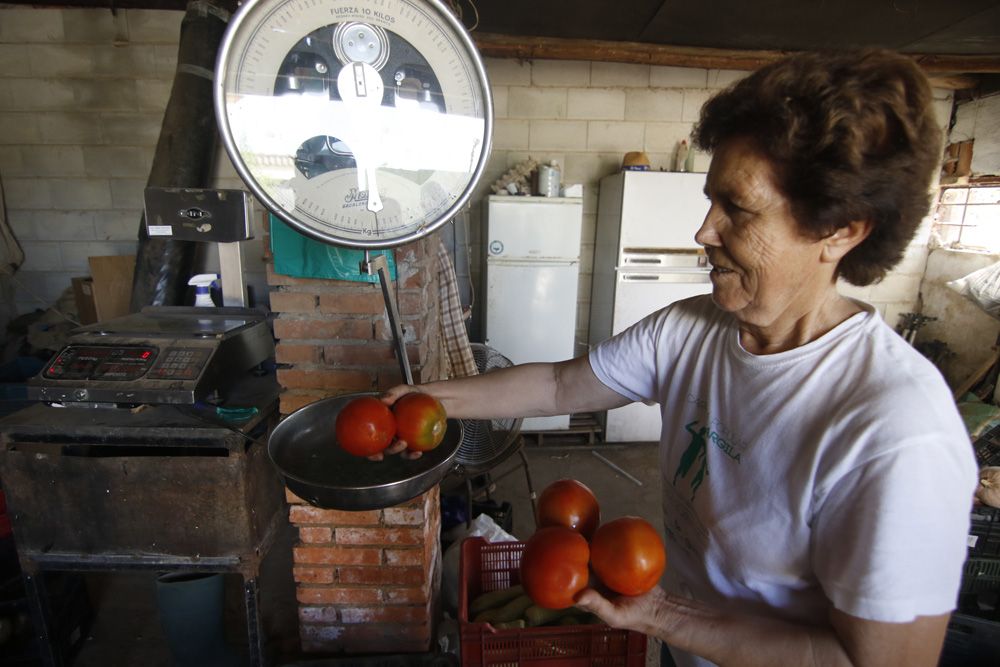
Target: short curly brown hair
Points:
(852, 136)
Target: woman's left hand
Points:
(637, 612)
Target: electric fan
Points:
(488, 442)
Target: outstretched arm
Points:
(730, 639)
(527, 390)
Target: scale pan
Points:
(304, 450)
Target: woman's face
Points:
(764, 270)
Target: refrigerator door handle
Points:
(690, 276)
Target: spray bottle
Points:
(202, 288)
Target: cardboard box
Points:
(112, 285)
(83, 293)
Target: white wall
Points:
(82, 94)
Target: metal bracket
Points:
(379, 264)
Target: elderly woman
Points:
(816, 475)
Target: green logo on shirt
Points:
(695, 457)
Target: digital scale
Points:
(162, 355)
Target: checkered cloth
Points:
(461, 362)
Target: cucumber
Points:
(510, 625)
(513, 610)
(496, 598)
(536, 615)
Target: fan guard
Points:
(487, 442)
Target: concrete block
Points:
(619, 75)
(654, 104)
(588, 168)
(41, 289)
(500, 96)
(154, 26)
(560, 72)
(116, 224)
(22, 224)
(69, 128)
(13, 58)
(125, 161)
(897, 287)
(693, 100)
(10, 161)
(722, 78)
(664, 137)
(127, 193)
(153, 94)
(508, 71)
(222, 166)
(663, 76)
(558, 135)
(80, 193)
(76, 254)
(37, 94)
(24, 25)
(53, 160)
(164, 59)
(525, 102)
(95, 26)
(138, 128)
(19, 128)
(64, 225)
(41, 256)
(942, 112)
(105, 94)
(511, 134)
(596, 103)
(26, 193)
(701, 161)
(611, 136)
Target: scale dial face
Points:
(364, 123)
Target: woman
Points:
(816, 475)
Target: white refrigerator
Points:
(645, 258)
(532, 272)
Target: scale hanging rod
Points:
(379, 264)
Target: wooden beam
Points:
(947, 71)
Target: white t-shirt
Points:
(837, 472)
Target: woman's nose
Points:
(708, 233)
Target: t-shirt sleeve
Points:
(625, 363)
(889, 538)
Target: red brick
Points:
(318, 615)
(290, 401)
(406, 595)
(368, 302)
(296, 378)
(403, 516)
(400, 576)
(293, 302)
(313, 575)
(278, 279)
(378, 536)
(412, 329)
(336, 556)
(286, 353)
(323, 329)
(290, 497)
(310, 514)
(404, 557)
(383, 614)
(359, 353)
(316, 535)
(412, 302)
(336, 595)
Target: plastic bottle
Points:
(680, 161)
(203, 288)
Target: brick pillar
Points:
(365, 581)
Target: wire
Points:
(55, 310)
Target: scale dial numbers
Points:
(364, 123)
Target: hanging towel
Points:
(456, 338)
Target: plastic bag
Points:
(482, 526)
(982, 287)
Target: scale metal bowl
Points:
(316, 469)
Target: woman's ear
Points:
(845, 239)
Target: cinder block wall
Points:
(82, 94)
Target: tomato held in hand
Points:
(420, 421)
(554, 566)
(364, 426)
(627, 554)
(569, 503)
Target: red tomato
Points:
(554, 566)
(627, 554)
(569, 503)
(420, 421)
(364, 426)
